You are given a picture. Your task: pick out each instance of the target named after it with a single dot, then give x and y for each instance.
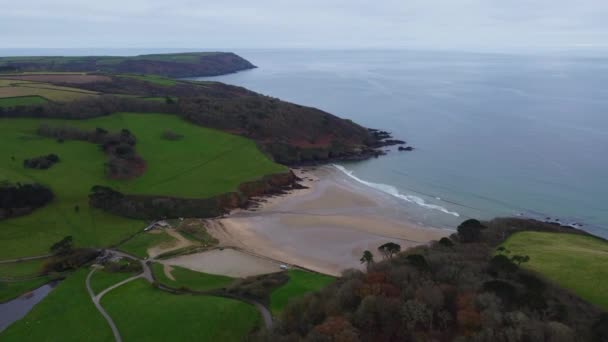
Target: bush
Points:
(41, 163)
(470, 230)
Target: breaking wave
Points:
(391, 190)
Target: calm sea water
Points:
(495, 135)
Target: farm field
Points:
(300, 282)
(26, 89)
(66, 314)
(204, 163)
(575, 262)
(143, 313)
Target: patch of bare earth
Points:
(167, 269)
(178, 242)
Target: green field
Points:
(66, 314)
(164, 81)
(30, 268)
(143, 313)
(9, 102)
(139, 245)
(12, 89)
(101, 279)
(192, 280)
(575, 262)
(299, 284)
(204, 163)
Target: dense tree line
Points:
(123, 160)
(456, 289)
(20, 199)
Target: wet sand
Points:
(325, 228)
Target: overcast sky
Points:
(451, 24)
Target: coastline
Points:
(324, 227)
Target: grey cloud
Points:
(451, 24)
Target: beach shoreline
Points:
(324, 227)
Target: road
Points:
(101, 309)
(10, 261)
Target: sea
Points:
(494, 134)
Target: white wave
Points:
(391, 190)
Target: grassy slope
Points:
(101, 280)
(205, 163)
(143, 313)
(300, 283)
(573, 261)
(139, 245)
(21, 101)
(193, 280)
(66, 314)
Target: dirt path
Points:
(178, 243)
(167, 269)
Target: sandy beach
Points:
(325, 227)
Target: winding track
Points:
(147, 274)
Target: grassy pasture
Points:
(193, 280)
(300, 283)
(8, 102)
(143, 313)
(164, 81)
(66, 314)
(101, 279)
(575, 262)
(204, 163)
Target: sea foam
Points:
(393, 191)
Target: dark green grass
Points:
(163, 81)
(299, 284)
(576, 262)
(20, 269)
(143, 313)
(9, 102)
(192, 280)
(139, 245)
(205, 163)
(12, 290)
(101, 279)
(66, 314)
